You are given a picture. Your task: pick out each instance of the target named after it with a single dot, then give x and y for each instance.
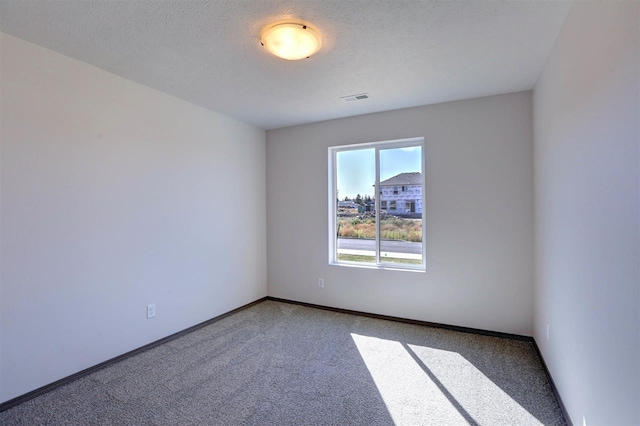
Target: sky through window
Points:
(356, 169)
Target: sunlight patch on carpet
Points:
(422, 385)
(410, 396)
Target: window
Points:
(376, 171)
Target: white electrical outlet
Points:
(151, 311)
(321, 282)
(548, 331)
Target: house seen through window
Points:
(376, 204)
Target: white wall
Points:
(479, 184)
(115, 196)
(587, 172)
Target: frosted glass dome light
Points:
(291, 41)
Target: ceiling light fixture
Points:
(291, 40)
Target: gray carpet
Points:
(283, 364)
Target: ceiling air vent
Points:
(353, 98)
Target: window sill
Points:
(387, 267)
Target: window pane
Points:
(401, 226)
(355, 215)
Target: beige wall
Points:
(587, 149)
(115, 196)
(479, 192)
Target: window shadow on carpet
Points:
(459, 378)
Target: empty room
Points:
(320, 212)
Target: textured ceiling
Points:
(402, 52)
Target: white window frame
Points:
(333, 238)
